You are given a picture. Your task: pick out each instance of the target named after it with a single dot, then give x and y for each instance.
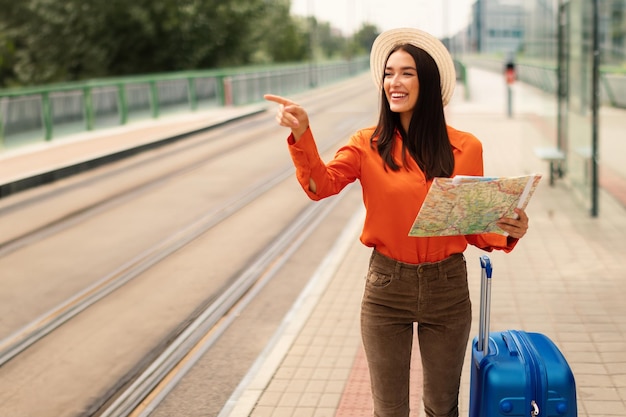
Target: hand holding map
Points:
(466, 205)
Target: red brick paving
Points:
(356, 400)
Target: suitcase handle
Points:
(485, 263)
(485, 304)
(510, 345)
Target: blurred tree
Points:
(44, 41)
(279, 37)
(361, 42)
(173, 35)
(329, 40)
(7, 57)
(365, 37)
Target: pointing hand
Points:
(290, 115)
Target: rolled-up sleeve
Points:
(492, 241)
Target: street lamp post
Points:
(595, 103)
(312, 29)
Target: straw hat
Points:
(387, 40)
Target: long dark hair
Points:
(427, 139)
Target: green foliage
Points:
(361, 42)
(279, 37)
(45, 41)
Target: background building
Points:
(497, 26)
(541, 29)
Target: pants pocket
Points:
(378, 279)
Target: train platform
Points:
(565, 278)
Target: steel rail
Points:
(213, 321)
(29, 334)
(87, 212)
(26, 336)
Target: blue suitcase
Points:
(515, 373)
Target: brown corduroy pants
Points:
(436, 297)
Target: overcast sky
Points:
(439, 17)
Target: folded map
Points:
(466, 205)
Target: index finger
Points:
(278, 99)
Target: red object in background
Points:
(509, 73)
(510, 76)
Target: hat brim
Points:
(388, 40)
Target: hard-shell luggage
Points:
(515, 373)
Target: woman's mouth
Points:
(398, 96)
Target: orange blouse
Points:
(392, 198)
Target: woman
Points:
(410, 280)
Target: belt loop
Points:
(397, 268)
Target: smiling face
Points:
(401, 85)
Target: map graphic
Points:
(466, 205)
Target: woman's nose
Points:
(395, 79)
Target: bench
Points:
(555, 157)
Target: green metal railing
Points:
(29, 115)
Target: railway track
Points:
(114, 277)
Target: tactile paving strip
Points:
(356, 400)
